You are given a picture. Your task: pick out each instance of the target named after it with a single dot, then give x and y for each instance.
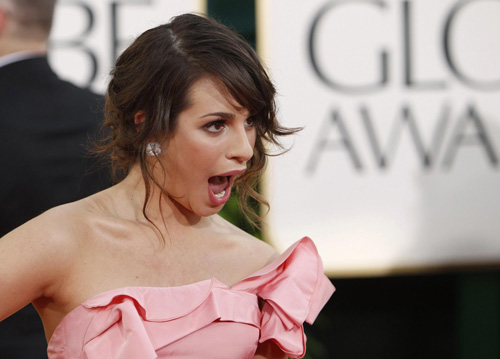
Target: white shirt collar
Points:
(18, 56)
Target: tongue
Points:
(217, 183)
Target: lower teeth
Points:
(219, 195)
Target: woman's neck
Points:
(161, 209)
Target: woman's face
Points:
(212, 142)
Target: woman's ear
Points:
(139, 118)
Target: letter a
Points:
(480, 138)
(323, 143)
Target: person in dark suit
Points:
(45, 127)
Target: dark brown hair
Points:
(155, 74)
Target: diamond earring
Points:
(153, 149)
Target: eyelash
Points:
(252, 119)
(221, 122)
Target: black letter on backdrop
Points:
(324, 144)
(116, 42)
(493, 85)
(427, 156)
(409, 81)
(459, 137)
(331, 83)
(79, 41)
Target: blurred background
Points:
(395, 175)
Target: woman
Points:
(146, 268)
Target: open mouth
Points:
(218, 185)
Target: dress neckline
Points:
(259, 272)
(210, 283)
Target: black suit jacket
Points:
(45, 127)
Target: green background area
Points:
(454, 315)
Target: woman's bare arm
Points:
(31, 259)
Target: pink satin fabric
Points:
(206, 319)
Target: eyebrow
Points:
(219, 114)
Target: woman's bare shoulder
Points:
(49, 243)
(247, 249)
(263, 252)
(56, 229)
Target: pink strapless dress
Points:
(206, 319)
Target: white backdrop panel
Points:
(397, 167)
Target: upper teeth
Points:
(220, 194)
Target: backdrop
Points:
(88, 35)
(397, 168)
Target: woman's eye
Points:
(250, 122)
(215, 126)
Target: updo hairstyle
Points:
(155, 74)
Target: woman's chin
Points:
(200, 209)
(205, 211)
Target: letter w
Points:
(427, 156)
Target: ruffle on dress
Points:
(148, 322)
(295, 290)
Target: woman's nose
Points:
(241, 144)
